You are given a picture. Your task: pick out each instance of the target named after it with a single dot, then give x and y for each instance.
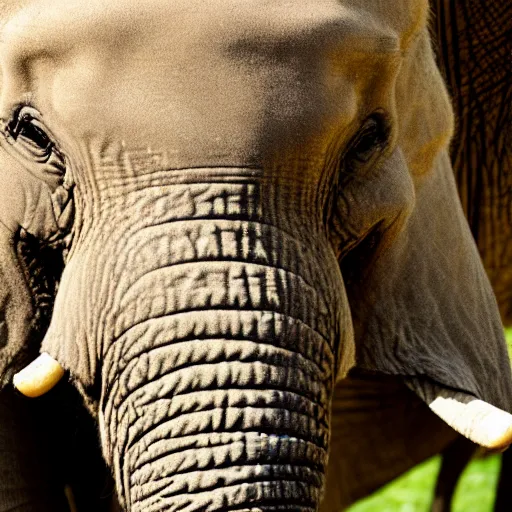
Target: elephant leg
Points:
(455, 459)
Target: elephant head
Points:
(253, 198)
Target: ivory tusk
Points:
(39, 376)
(475, 419)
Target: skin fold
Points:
(482, 160)
(244, 220)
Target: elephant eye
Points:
(371, 139)
(29, 135)
(33, 134)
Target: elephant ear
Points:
(35, 217)
(29, 272)
(424, 309)
(16, 310)
(424, 315)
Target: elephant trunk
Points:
(216, 336)
(226, 409)
(221, 406)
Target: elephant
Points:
(247, 207)
(482, 160)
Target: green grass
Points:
(508, 335)
(412, 492)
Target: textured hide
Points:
(250, 199)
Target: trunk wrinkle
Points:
(193, 337)
(213, 260)
(224, 309)
(304, 362)
(315, 462)
(319, 441)
(313, 392)
(302, 473)
(160, 447)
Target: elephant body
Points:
(247, 225)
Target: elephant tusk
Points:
(479, 421)
(39, 376)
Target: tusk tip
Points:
(477, 420)
(38, 377)
(501, 441)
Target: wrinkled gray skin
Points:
(473, 40)
(471, 44)
(243, 219)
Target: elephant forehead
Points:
(228, 80)
(53, 24)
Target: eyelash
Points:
(29, 135)
(371, 138)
